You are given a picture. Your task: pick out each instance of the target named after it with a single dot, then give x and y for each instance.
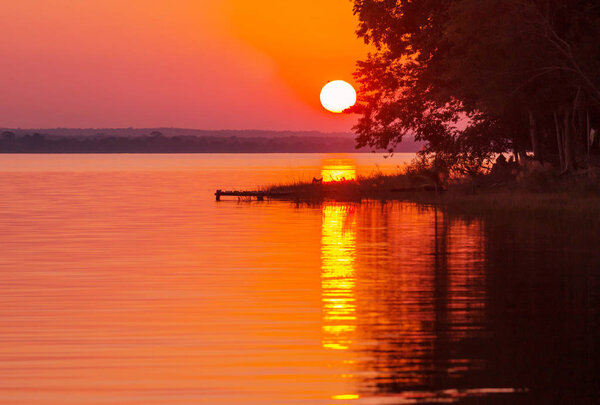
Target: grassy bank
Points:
(531, 193)
(376, 187)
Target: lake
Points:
(123, 281)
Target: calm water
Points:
(122, 281)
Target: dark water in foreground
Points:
(122, 281)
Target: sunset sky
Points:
(227, 64)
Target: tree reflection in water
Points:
(435, 308)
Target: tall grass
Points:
(536, 191)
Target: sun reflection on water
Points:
(338, 254)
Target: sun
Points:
(338, 95)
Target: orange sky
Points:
(227, 64)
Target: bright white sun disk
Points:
(338, 95)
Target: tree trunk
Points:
(518, 151)
(568, 143)
(587, 137)
(533, 132)
(559, 142)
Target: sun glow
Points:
(334, 170)
(338, 95)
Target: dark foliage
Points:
(474, 78)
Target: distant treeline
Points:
(156, 142)
(169, 132)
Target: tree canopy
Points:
(474, 78)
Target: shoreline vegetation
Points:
(529, 191)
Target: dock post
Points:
(218, 195)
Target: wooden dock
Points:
(259, 195)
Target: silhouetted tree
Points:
(478, 77)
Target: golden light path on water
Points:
(338, 253)
(338, 256)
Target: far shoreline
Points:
(174, 140)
